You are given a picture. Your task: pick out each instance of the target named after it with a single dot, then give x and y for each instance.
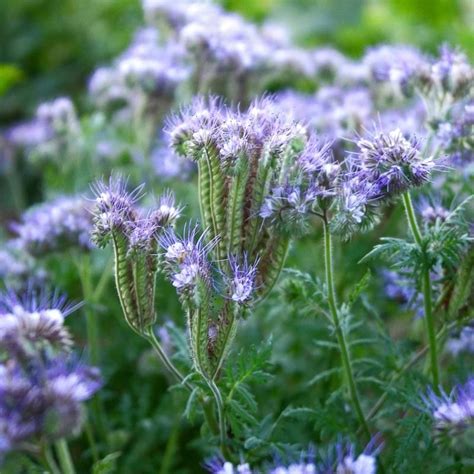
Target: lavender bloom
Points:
(431, 211)
(451, 73)
(18, 267)
(169, 166)
(393, 162)
(398, 65)
(43, 401)
(60, 114)
(454, 412)
(342, 461)
(186, 260)
(219, 466)
(149, 66)
(41, 388)
(28, 135)
(241, 282)
(457, 135)
(463, 342)
(114, 209)
(55, 226)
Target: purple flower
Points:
(394, 163)
(241, 281)
(33, 321)
(55, 226)
(463, 342)
(186, 259)
(114, 208)
(452, 72)
(398, 64)
(43, 400)
(18, 268)
(454, 411)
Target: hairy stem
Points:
(64, 456)
(151, 338)
(427, 293)
(221, 417)
(341, 339)
(206, 406)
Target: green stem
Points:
(50, 461)
(64, 456)
(151, 338)
(220, 416)
(427, 292)
(341, 339)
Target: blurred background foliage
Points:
(50, 47)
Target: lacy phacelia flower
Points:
(241, 282)
(114, 209)
(55, 226)
(456, 136)
(399, 65)
(455, 412)
(451, 73)
(43, 400)
(18, 268)
(394, 163)
(463, 342)
(41, 387)
(342, 460)
(187, 261)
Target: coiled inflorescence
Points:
(42, 387)
(133, 233)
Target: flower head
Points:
(394, 163)
(241, 281)
(55, 226)
(455, 412)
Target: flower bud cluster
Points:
(55, 226)
(134, 235)
(42, 389)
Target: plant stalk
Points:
(64, 456)
(341, 339)
(427, 292)
(220, 416)
(206, 407)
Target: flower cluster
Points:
(18, 268)
(452, 414)
(134, 234)
(42, 389)
(55, 226)
(343, 460)
(393, 162)
(48, 134)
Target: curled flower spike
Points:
(114, 208)
(134, 236)
(394, 163)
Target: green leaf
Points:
(106, 465)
